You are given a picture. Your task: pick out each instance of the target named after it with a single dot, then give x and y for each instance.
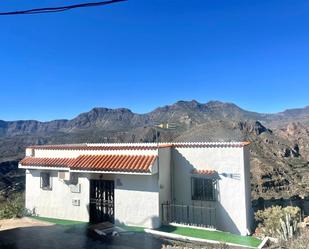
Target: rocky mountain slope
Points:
(279, 149)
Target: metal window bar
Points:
(203, 189)
(45, 181)
(193, 215)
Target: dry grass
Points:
(300, 242)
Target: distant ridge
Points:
(114, 119)
(279, 148)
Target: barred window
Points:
(46, 182)
(203, 189)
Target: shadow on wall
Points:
(143, 183)
(224, 221)
(187, 167)
(182, 194)
(182, 168)
(179, 159)
(88, 208)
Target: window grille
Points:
(46, 181)
(203, 189)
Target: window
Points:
(203, 189)
(74, 178)
(46, 181)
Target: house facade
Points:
(142, 184)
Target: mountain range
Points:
(279, 142)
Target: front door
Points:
(101, 201)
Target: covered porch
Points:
(118, 188)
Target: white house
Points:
(142, 184)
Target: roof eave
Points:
(20, 166)
(110, 172)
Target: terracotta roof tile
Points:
(53, 162)
(203, 171)
(131, 163)
(125, 163)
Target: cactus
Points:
(279, 222)
(288, 227)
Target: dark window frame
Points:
(46, 181)
(203, 189)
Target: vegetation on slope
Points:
(279, 149)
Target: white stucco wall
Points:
(165, 192)
(136, 199)
(56, 203)
(136, 196)
(231, 206)
(250, 212)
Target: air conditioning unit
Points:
(74, 188)
(64, 175)
(75, 202)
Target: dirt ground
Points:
(23, 222)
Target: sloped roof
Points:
(137, 146)
(131, 163)
(124, 163)
(53, 162)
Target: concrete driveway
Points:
(73, 237)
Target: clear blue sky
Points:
(143, 54)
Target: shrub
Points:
(279, 222)
(300, 242)
(13, 208)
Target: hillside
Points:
(279, 149)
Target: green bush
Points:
(278, 222)
(13, 208)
